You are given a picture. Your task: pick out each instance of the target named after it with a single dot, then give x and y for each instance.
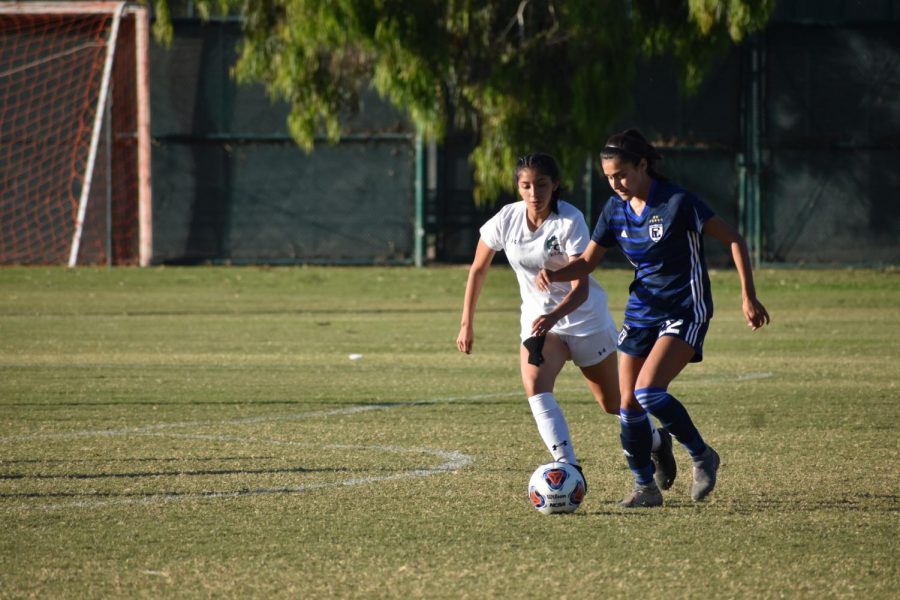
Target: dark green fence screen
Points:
(794, 137)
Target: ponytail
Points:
(631, 146)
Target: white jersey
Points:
(562, 235)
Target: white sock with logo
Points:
(552, 426)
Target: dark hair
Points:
(630, 146)
(545, 165)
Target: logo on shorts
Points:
(623, 334)
(552, 246)
(656, 228)
(671, 327)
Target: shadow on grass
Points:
(791, 503)
(62, 461)
(166, 403)
(179, 473)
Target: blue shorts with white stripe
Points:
(638, 341)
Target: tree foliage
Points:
(525, 75)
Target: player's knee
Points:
(537, 385)
(608, 402)
(628, 401)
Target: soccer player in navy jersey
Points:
(567, 321)
(659, 227)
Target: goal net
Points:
(74, 134)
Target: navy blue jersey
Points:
(665, 246)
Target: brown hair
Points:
(545, 165)
(631, 146)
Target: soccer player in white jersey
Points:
(568, 320)
(659, 228)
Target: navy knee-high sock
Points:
(674, 417)
(636, 442)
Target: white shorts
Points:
(589, 350)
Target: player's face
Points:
(627, 179)
(536, 190)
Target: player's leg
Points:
(595, 355)
(636, 437)
(603, 381)
(666, 360)
(598, 363)
(669, 356)
(539, 382)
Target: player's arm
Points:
(582, 266)
(477, 274)
(754, 311)
(575, 298)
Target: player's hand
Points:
(543, 324)
(542, 280)
(465, 339)
(755, 313)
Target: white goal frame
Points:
(142, 92)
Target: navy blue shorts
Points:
(638, 341)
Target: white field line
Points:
(454, 461)
(754, 376)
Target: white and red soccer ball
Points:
(556, 488)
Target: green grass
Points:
(201, 432)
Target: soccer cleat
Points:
(582, 477)
(664, 461)
(705, 467)
(643, 496)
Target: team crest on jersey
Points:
(656, 228)
(552, 246)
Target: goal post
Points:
(75, 182)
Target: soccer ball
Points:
(556, 488)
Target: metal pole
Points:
(755, 154)
(142, 77)
(109, 177)
(419, 233)
(742, 191)
(588, 192)
(95, 135)
(749, 160)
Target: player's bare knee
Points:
(608, 402)
(536, 384)
(630, 402)
(610, 409)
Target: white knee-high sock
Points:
(552, 426)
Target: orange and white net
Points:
(51, 75)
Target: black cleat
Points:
(582, 477)
(664, 461)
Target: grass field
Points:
(199, 432)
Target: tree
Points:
(524, 75)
